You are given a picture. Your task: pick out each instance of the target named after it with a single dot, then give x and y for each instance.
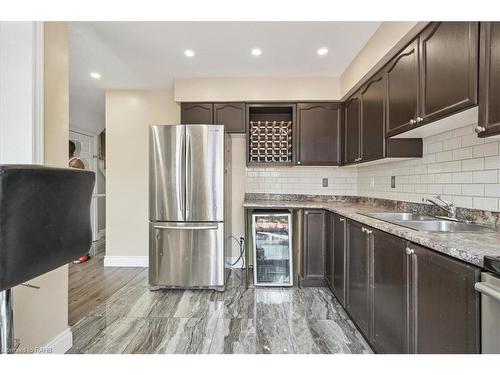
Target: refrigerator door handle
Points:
(187, 184)
(205, 227)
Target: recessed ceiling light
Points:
(322, 51)
(95, 75)
(189, 53)
(256, 52)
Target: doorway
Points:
(87, 149)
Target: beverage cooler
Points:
(272, 248)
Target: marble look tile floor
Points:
(247, 321)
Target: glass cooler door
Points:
(272, 249)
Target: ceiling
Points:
(150, 55)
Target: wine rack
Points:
(270, 142)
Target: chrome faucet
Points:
(450, 208)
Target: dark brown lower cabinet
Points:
(338, 283)
(406, 298)
(357, 301)
(329, 247)
(313, 249)
(444, 304)
(390, 291)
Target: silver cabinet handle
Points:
(412, 121)
(341, 219)
(419, 119)
(367, 231)
(409, 251)
(206, 227)
(488, 289)
(479, 129)
(358, 159)
(298, 162)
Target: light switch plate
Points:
(325, 182)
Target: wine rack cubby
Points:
(270, 134)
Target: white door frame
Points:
(94, 167)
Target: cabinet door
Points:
(489, 80)
(373, 119)
(402, 90)
(313, 259)
(352, 130)
(339, 227)
(318, 133)
(357, 292)
(448, 68)
(444, 304)
(329, 245)
(390, 290)
(231, 115)
(196, 113)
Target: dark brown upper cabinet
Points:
(313, 249)
(197, 113)
(444, 303)
(231, 115)
(373, 119)
(352, 130)
(390, 294)
(357, 301)
(318, 133)
(489, 80)
(402, 90)
(448, 69)
(365, 121)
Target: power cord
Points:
(241, 242)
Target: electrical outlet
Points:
(325, 182)
(393, 182)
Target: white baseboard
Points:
(61, 343)
(126, 261)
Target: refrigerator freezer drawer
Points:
(186, 255)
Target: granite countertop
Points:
(469, 247)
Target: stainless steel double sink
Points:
(428, 223)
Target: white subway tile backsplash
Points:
(452, 166)
(458, 165)
(492, 190)
(487, 204)
(462, 153)
(487, 149)
(480, 177)
(452, 144)
(473, 190)
(473, 164)
(462, 177)
(471, 178)
(492, 162)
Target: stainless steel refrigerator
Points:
(189, 210)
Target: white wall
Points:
(257, 89)
(32, 115)
(458, 165)
(128, 117)
(20, 62)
